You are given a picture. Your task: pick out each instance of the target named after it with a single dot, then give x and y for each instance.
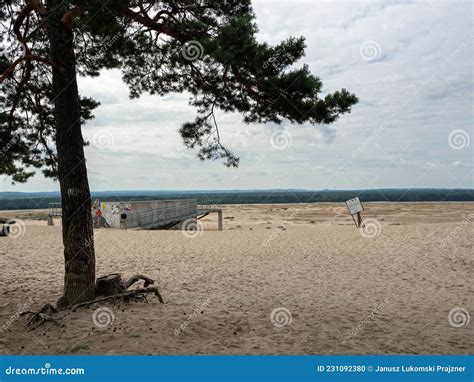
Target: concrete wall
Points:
(147, 213)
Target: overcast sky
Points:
(409, 62)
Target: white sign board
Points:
(354, 206)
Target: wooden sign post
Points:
(355, 208)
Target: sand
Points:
(407, 288)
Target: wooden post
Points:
(220, 221)
(355, 222)
(50, 220)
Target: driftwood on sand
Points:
(108, 288)
(45, 314)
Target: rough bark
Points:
(79, 278)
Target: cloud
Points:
(418, 86)
(458, 163)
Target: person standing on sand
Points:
(98, 216)
(101, 221)
(123, 220)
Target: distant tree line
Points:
(269, 197)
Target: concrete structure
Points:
(204, 210)
(153, 214)
(54, 211)
(149, 214)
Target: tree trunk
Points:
(79, 257)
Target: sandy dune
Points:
(406, 288)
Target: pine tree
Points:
(205, 48)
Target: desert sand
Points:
(280, 279)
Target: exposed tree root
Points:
(132, 280)
(108, 288)
(126, 296)
(45, 314)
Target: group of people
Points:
(101, 222)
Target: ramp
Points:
(154, 214)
